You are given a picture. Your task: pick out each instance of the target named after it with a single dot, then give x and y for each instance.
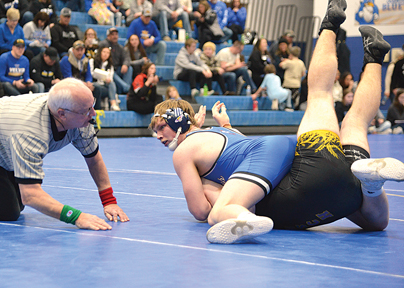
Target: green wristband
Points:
(69, 214)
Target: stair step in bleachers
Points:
(184, 88)
(265, 118)
(125, 119)
(235, 102)
(165, 72)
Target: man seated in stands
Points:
(14, 72)
(63, 35)
(149, 35)
(135, 10)
(77, 65)
(229, 59)
(168, 12)
(45, 68)
(123, 69)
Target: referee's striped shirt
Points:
(28, 132)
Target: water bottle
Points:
(205, 90)
(255, 105)
(248, 90)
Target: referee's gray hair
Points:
(61, 94)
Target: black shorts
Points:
(10, 198)
(320, 187)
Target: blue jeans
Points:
(227, 34)
(123, 81)
(11, 90)
(166, 21)
(231, 79)
(160, 49)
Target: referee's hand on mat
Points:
(91, 222)
(113, 212)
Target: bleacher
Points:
(128, 123)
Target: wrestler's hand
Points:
(113, 211)
(200, 116)
(92, 222)
(219, 114)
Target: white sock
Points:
(373, 193)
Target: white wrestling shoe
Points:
(374, 172)
(233, 230)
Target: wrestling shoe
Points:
(374, 46)
(334, 16)
(374, 172)
(233, 230)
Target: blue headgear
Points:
(178, 120)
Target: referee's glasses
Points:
(85, 113)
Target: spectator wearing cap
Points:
(288, 35)
(75, 64)
(168, 12)
(11, 31)
(45, 68)
(149, 35)
(135, 10)
(63, 35)
(123, 69)
(14, 71)
(37, 33)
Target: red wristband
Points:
(107, 197)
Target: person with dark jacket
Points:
(143, 97)
(259, 58)
(45, 68)
(63, 35)
(46, 6)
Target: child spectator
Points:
(137, 54)
(341, 108)
(281, 97)
(172, 93)
(295, 70)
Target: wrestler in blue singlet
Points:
(263, 161)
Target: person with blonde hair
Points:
(172, 93)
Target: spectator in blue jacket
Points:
(222, 16)
(236, 21)
(149, 35)
(14, 71)
(76, 64)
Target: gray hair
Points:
(61, 94)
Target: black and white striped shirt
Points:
(28, 133)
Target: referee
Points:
(33, 125)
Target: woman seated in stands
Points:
(207, 23)
(37, 33)
(236, 20)
(395, 114)
(90, 43)
(102, 70)
(143, 97)
(259, 58)
(137, 54)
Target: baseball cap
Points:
(19, 42)
(147, 12)
(78, 44)
(66, 12)
(111, 30)
(52, 53)
(289, 33)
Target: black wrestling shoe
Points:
(374, 46)
(335, 15)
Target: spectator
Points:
(135, 10)
(76, 64)
(172, 93)
(236, 21)
(116, 19)
(347, 82)
(37, 33)
(143, 97)
(288, 35)
(341, 108)
(122, 6)
(295, 70)
(76, 5)
(90, 43)
(14, 71)
(229, 59)
(190, 68)
(105, 77)
(222, 16)
(281, 97)
(379, 125)
(63, 35)
(337, 90)
(20, 5)
(11, 31)
(149, 35)
(258, 59)
(45, 68)
(123, 70)
(105, 13)
(397, 79)
(45, 6)
(388, 93)
(137, 54)
(208, 57)
(208, 26)
(395, 114)
(188, 8)
(281, 54)
(168, 12)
